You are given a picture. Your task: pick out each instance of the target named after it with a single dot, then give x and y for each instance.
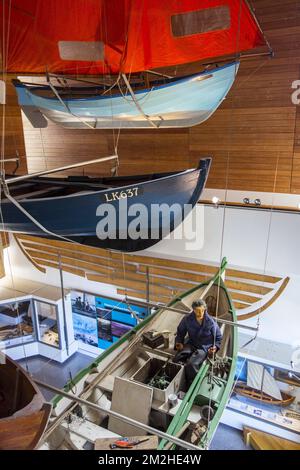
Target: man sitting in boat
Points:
(204, 339)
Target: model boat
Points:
(77, 208)
(117, 41)
(181, 102)
(261, 386)
(137, 377)
(23, 412)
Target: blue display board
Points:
(100, 321)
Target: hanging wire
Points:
(224, 218)
(5, 50)
(252, 341)
(43, 150)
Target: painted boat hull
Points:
(123, 358)
(23, 412)
(181, 102)
(245, 391)
(77, 217)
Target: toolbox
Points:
(153, 339)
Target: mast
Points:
(258, 378)
(251, 9)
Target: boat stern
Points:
(33, 114)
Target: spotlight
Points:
(257, 202)
(215, 200)
(246, 200)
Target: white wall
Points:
(254, 239)
(258, 240)
(266, 198)
(17, 265)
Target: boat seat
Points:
(37, 193)
(193, 416)
(107, 384)
(183, 306)
(226, 332)
(78, 433)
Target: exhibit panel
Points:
(100, 322)
(17, 323)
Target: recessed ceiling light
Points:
(215, 200)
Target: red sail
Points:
(109, 36)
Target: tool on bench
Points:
(126, 444)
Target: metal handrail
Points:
(123, 418)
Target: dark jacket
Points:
(201, 336)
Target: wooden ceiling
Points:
(254, 137)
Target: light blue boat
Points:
(180, 102)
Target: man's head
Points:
(199, 307)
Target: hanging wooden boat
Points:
(261, 386)
(182, 102)
(123, 38)
(128, 367)
(23, 412)
(74, 207)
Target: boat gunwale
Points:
(230, 379)
(207, 436)
(172, 82)
(103, 191)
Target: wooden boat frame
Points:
(31, 420)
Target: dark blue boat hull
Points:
(77, 216)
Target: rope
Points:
(72, 383)
(223, 224)
(29, 216)
(124, 272)
(5, 49)
(64, 104)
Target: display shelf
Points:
(271, 416)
